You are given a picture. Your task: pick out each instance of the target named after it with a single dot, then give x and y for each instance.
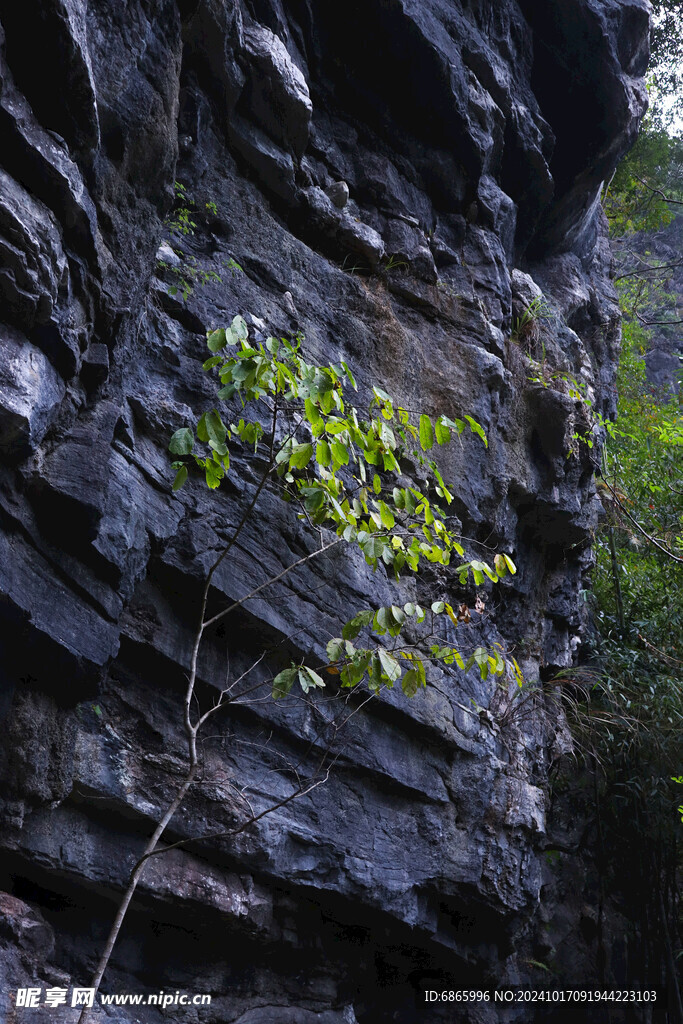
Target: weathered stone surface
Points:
(471, 139)
(278, 93)
(31, 393)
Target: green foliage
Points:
(635, 199)
(525, 325)
(189, 272)
(666, 61)
(345, 471)
(632, 719)
(393, 262)
(643, 455)
(627, 710)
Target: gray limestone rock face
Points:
(338, 192)
(279, 97)
(31, 393)
(470, 140)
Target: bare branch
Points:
(303, 790)
(656, 323)
(648, 536)
(270, 582)
(658, 191)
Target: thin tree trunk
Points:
(135, 877)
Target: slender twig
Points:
(634, 521)
(302, 790)
(268, 583)
(656, 323)
(658, 191)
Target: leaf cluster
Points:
(345, 471)
(344, 468)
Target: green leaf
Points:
(301, 456)
(182, 442)
(336, 649)
(389, 665)
(308, 679)
(410, 684)
(181, 477)
(482, 567)
(426, 433)
(438, 607)
(283, 682)
(354, 625)
(350, 377)
(214, 475)
(352, 674)
(442, 489)
(510, 564)
(202, 432)
(323, 454)
(477, 428)
(215, 428)
(314, 498)
(314, 418)
(340, 453)
(442, 432)
(240, 328)
(387, 516)
(216, 340)
(384, 620)
(376, 484)
(213, 361)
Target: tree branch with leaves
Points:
(347, 477)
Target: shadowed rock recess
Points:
(471, 137)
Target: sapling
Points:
(344, 473)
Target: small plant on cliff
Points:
(345, 474)
(525, 327)
(186, 269)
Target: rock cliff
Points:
(660, 248)
(398, 181)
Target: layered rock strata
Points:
(399, 182)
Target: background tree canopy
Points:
(629, 718)
(666, 61)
